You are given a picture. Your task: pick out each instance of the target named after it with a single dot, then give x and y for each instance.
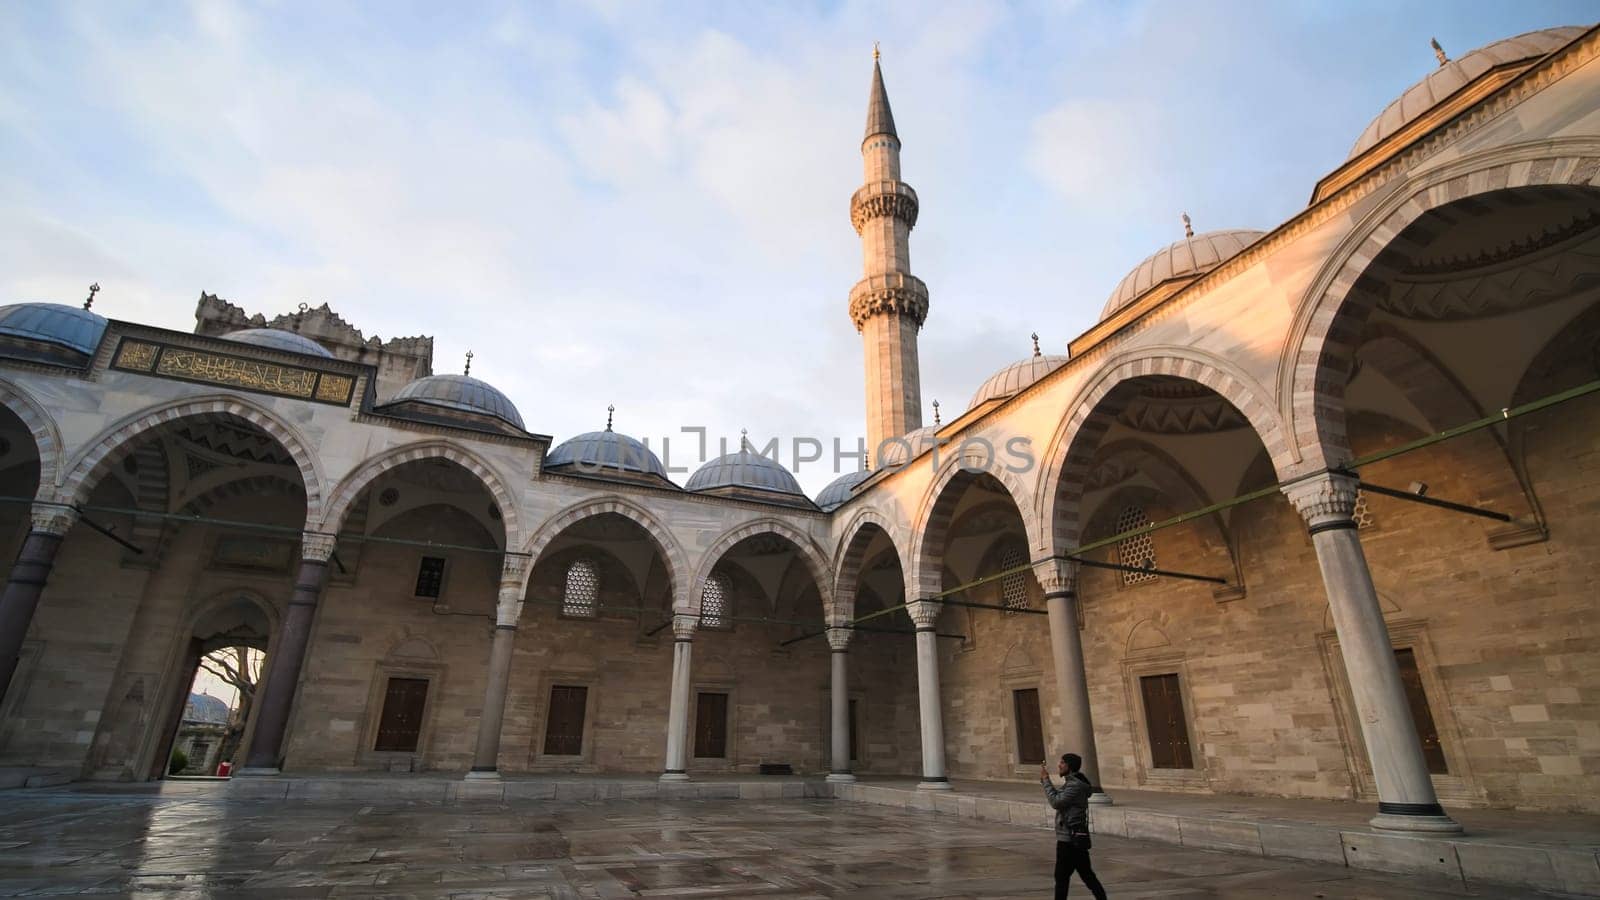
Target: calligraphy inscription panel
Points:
(233, 371)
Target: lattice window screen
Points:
(1363, 512)
(714, 603)
(1013, 587)
(1138, 550)
(583, 589)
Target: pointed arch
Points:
(40, 424)
(667, 546)
(1327, 325)
(815, 561)
(345, 494)
(1072, 448)
(850, 555)
(938, 507)
(91, 462)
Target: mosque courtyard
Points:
(193, 840)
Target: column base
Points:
(483, 775)
(674, 776)
(840, 778)
(1440, 824)
(942, 784)
(1100, 798)
(253, 771)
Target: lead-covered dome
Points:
(745, 470)
(1193, 255)
(461, 394)
(72, 327)
(599, 452)
(840, 489)
(1011, 380)
(1455, 74)
(278, 339)
(909, 446)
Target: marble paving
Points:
(203, 844)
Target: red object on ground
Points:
(224, 769)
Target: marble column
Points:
(839, 735)
(288, 656)
(683, 626)
(28, 576)
(1406, 800)
(508, 612)
(1059, 579)
(925, 613)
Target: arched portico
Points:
(352, 485)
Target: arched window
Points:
(583, 589)
(1013, 587)
(714, 603)
(1138, 550)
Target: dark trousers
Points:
(1070, 859)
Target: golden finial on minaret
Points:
(875, 53)
(1036, 344)
(1188, 229)
(610, 408)
(468, 369)
(93, 289)
(1438, 52)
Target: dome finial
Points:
(468, 369)
(875, 53)
(1035, 337)
(936, 422)
(299, 314)
(744, 440)
(610, 408)
(93, 289)
(1438, 52)
(1188, 228)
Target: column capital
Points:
(1056, 575)
(925, 613)
(683, 626)
(317, 546)
(513, 566)
(53, 518)
(839, 638)
(1325, 500)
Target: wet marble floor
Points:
(63, 842)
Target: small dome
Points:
(1012, 379)
(840, 489)
(1456, 74)
(608, 450)
(910, 445)
(1194, 255)
(460, 392)
(278, 339)
(72, 327)
(745, 469)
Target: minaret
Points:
(889, 305)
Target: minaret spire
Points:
(889, 304)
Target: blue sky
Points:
(646, 203)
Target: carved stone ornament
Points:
(882, 199)
(1056, 575)
(1324, 498)
(317, 546)
(925, 613)
(895, 293)
(53, 519)
(839, 638)
(683, 625)
(513, 566)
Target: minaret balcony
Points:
(896, 293)
(883, 198)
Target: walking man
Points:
(1071, 803)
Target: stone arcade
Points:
(438, 588)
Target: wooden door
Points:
(711, 726)
(401, 722)
(1030, 731)
(1421, 713)
(1164, 722)
(563, 730)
